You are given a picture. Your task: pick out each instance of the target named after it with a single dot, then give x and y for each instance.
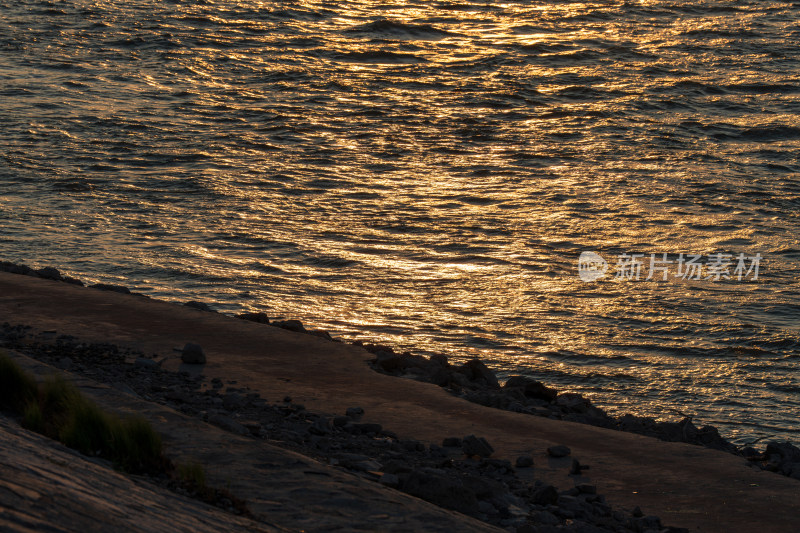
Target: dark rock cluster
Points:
(475, 382)
(460, 474)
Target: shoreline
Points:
(323, 381)
(477, 383)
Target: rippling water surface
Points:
(427, 173)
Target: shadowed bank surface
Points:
(685, 485)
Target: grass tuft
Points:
(17, 388)
(32, 418)
(193, 476)
(135, 445)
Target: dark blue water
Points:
(428, 174)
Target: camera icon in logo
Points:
(591, 266)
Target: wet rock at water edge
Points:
(476, 370)
(531, 388)
(112, 288)
(49, 273)
(260, 318)
(291, 325)
(200, 306)
(193, 354)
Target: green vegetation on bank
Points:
(58, 410)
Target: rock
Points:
(585, 488)
(200, 306)
(411, 445)
(390, 480)
(49, 273)
(472, 445)
(451, 442)
(340, 421)
(228, 424)
(321, 426)
(193, 354)
(366, 429)
(524, 461)
(390, 362)
(439, 489)
(547, 495)
(233, 401)
(291, 325)
(558, 451)
(321, 333)
(354, 413)
(637, 512)
(440, 360)
(648, 523)
(72, 281)
(486, 508)
(113, 288)
(476, 370)
(785, 450)
(573, 403)
(546, 518)
(439, 376)
(147, 364)
(65, 363)
(531, 388)
(260, 318)
(576, 468)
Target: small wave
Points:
(736, 34)
(763, 88)
(400, 30)
(330, 261)
(379, 57)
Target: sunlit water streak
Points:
(427, 173)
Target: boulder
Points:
(291, 325)
(49, 273)
(451, 442)
(531, 388)
(438, 488)
(524, 461)
(113, 288)
(472, 445)
(547, 495)
(260, 318)
(193, 354)
(228, 424)
(200, 306)
(321, 426)
(558, 451)
(476, 370)
(354, 413)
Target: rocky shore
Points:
(477, 383)
(459, 473)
